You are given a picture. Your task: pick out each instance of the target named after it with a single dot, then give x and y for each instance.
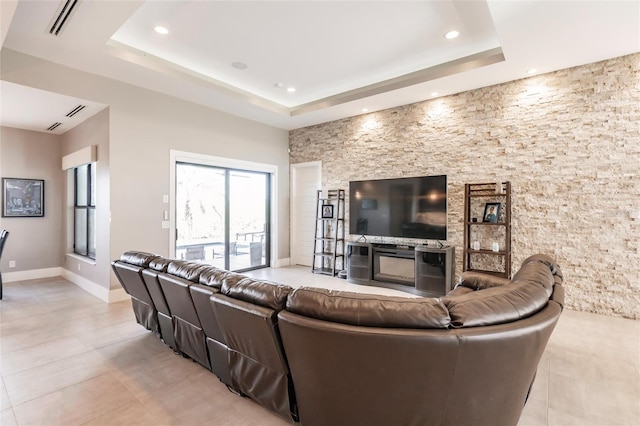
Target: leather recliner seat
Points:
(210, 282)
(129, 271)
(165, 320)
(247, 312)
(188, 335)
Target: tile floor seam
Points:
(61, 388)
(86, 349)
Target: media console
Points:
(421, 270)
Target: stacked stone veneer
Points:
(569, 143)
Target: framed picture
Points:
(491, 212)
(22, 197)
(327, 211)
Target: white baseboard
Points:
(118, 295)
(34, 274)
(100, 292)
(106, 295)
(282, 262)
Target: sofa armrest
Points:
(480, 281)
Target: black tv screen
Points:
(413, 207)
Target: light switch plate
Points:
(165, 224)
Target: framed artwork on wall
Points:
(22, 197)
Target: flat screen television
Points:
(412, 207)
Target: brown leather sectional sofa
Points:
(323, 357)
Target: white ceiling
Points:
(340, 56)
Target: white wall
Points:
(143, 127)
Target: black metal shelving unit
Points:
(484, 258)
(328, 246)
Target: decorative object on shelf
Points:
(329, 244)
(487, 240)
(491, 212)
(327, 211)
(22, 197)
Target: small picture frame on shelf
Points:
(491, 212)
(327, 211)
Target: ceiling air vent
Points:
(63, 13)
(54, 126)
(76, 110)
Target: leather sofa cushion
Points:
(160, 264)
(138, 258)
(523, 297)
(186, 269)
(214, 277)
(458, 290)
(368, 309)
(479, 281)
(259, 292)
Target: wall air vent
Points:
(76, 110)
(61, 16)
(54, 126)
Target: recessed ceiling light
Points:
(291, 89)
(161, 30)
(451, 35)
(239, 65)
(365, 109)
(532, 71)
(434, 94)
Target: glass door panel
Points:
(248, 219)
(222, 216)
(200, 213)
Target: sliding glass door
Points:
(222, 216)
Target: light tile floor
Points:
(67, 358)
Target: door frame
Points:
(293, 217)
(176, 156)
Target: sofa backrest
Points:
(258, 292)
(186, 269)
(368, 309)
(214, 277)
(496, 300)
(128, 269)
(138, 258)
(175, 287)
(200, 294)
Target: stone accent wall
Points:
(568, 141)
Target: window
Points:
(84, 240)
